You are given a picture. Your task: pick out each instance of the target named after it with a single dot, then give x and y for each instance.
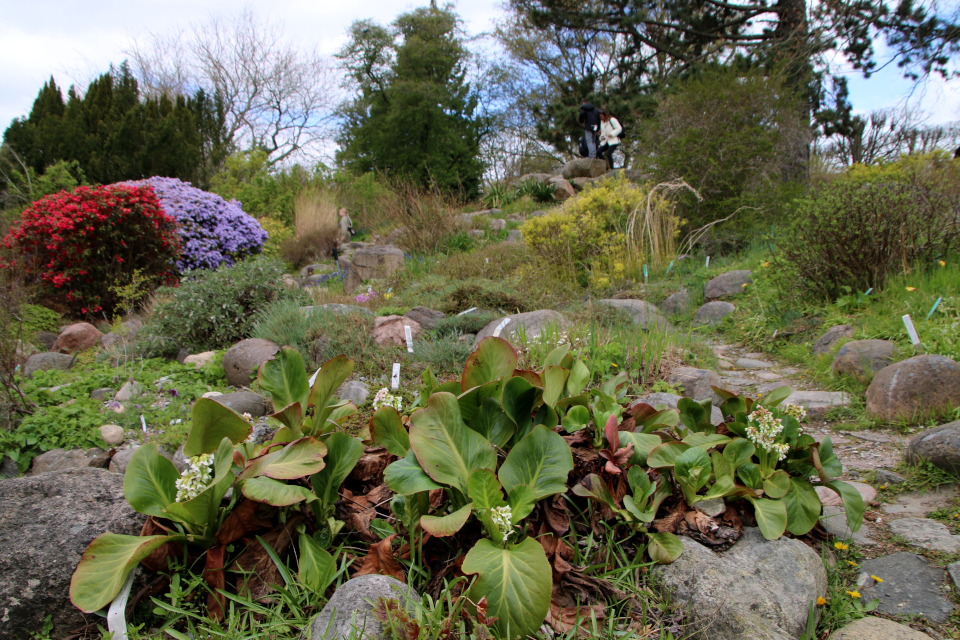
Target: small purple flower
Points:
(173, 393)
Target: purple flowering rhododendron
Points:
(212, 230)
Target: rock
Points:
(928, 534)
(712, 313)
(873, 628)
(920, 503)
(536, 214)
(861, 359)
(498, 224)
(46, 523)
(767, 376)
(833, 334)
(128, 392)
(349, 613)
(212, 394)
(676, 304)
(564, 189)
(106, 393)
(536, 177)
(696, 383)
(889, 477)
(378, 261)
(46, 339)
(354, 391)
(46, 362)
(713, 507)
(113, 434)
(425, 317)
(119, 461)
(246, 402)
(584, 168)
(760, 589)
(534, 323)
(514, 235)
(182, 355)
(389, 330)
(477, 233)
(727, 284)
(834, 520)
(8, 468)
(311, 269)
(830, 498)
(671, 400)
(643, 313)
(580, 183)
(77, 337)
(199, 359)
(818, 403)
(242, 360)
(289, 282)
(939, 446)
(261, 433)
(126, 334)
(915, 389)
(61, 459)
(953, 570)
(335, 307)
(910, 585)
(751, 365)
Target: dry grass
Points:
(424, 217)
(315, 227)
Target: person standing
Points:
(590, 118)
(610, 132)
(346, 227)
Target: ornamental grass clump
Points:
(213, 231)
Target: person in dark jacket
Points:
(590, 118)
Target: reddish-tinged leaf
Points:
(213, 576)
(157, 560)
(380, 559)
(641, 411)
(247, 517)
(261, 572)
(669, 523)
(611, 433)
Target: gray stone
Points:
(119, 461)
(671, 400)
(910, 586)
(514, 235)
(767, 376)
(318, 269)
(335, 307)
(498, 224)
(246, 402)
(126, 334)
(833, 334)
(870, 436)
(584, 168)
(477, 233)
(889, 477)
(873, 628)
(534, 323)
(46, 523)
(45, 339)
(643, 313)
(712, 313)
(914, 389)
(536, 214)
(928, 534)
(760, 589)
(373, 262)
(242, 360)
(113, 434)
(697, 383)
(349, 613)
(818, 403)
(861, 359)
(713, 507)
(289, 282)
(676, 304)
(199, 359)
(106, 393)
(536, 177)
(354, 391)
(580, 183)
(834, 520)
(8, 468)
(727, 284)
(751, 365)
(128, 392)
(46, 362)
(939, 446)
(61, 459)
(921, 503)
(953, 570)
(425, 317)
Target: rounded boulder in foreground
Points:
(242, 360)
(915, 389)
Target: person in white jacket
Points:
(610, 131)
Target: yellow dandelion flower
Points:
(765, 264)
(613, 364)
(852, 563)
(745, 284)
(821, 601)
(841, 546)
(911, 288)
(876, 579)
(942, 263)
(883, 486)
(853, 594)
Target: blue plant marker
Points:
(390, 290)
(934, 308)
(670, 266)
(644, 272)
(865, 293)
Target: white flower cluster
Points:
(763, 430)
(196, 478)
(385, 399)
(796, 411)
(502, 517)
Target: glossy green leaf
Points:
(291, 416)
(275, 492)
(556, 357)
(105, 565)
(317, 567)
(724, 486)
(150, 481)
(664, 547)
(576, 418)
(516, 582)
(541, 460)
(749, 474)
(643, 444)
(691, 459)
(665, 455)
(546, 416)
(554, 381)
(387, 431)
(452, 386)
(212, 422)
(493, 423)
(297, 459)
(852, 503)
(705, 440)
(522, 500)
(471, 401)
(407, 477)
(485, 490)
(445, 447)
(447, 525)
(284, 377)
(578, 379)
(661, 420)
(493, 359)
(721, 466)
(830, 466)
(331, 375)
(771, 516)
(519, 396)
(775, 397)
(777, 485)
(739, 451)
(343, 452)
(803, 506)
(594, 487)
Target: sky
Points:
(77, 40)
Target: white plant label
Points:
(116, 621)
(395, 379)
(463, 313)
(313, 378)
(406, 331)
(708, 262)
(496, 332)
(143, 422)
(911, 330)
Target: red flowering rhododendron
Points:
(80, 245)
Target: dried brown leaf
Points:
(246, 518)
(380, 559)
(157, 560)
(259, 570)
(669, 523)
(213, 575)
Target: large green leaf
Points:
(212, 422)
(852, 503)
(485, 490)
(447, 525)
(493, 359)
(829, 467)
(343, 451)
(276, 493)
(522, 500)
(749, 474)
(777, 484)
(775, 397)
(705, 440)
(557, 356)
(317, 567)
(740, 451)
(297, 459)
(541, 460)
(554, 380)
(150, 482)
(664, 547)
(666, 454)
(200, 512)
(643, 444)
(105, 565)
(387, 430)
(472, 400)
(284, 377)
(516, 582)
(594, 487)
(579, 378)
(576, 418)
(445, 447)
(771, 516)
(407, 477)
(331, 375)
(803, 506)
(493, 423)
(519, 396)
(291, 416)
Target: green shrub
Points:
(263, 192)
(541, 192)
(213, 309)
(37, 318)
(484, 295)
(469, 323)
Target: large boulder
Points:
(534, 323)
(643, 313)
(911, 585)
(46, 523)
(676, 304)
(389, 330)
(697, 383)
(760, 589)
(62, 459)
(242, 360)
(564, 189)
(77, 337)
(349, 613)
(727, 284)
(915, 389)
(939, 446)
(584, 168)
(861, 359)
(873, 628)
(833, 334)
(379, 261)
(46, 362)
(425, 317)
(535, 177)
(246, 402)
(712, 313)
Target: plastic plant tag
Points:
(116, 620)
(409, 336)
(708, 262)
(934, 307)
(463, 313)
(911, 330)
(496, 332)
(395, 379)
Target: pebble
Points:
(751, 364)
(113, 434)
(910, 586)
